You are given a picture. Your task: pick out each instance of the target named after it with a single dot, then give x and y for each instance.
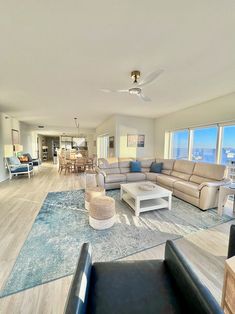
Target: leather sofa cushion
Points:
(167, 180)
(146, 162)
(183, 169)
(209, 171)
(152, 176)
(124, 162)
(167, 165)
(115, 178)
(124, 169)
(135, 176)
(199, 180)
(104, 163)
(133, 287)
(189, 188)
(184, 166)
(111, 170)
(180, 175)
(145, 169)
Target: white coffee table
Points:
(142, 201)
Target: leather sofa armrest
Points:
(214, 184)
(99, 171)
(78, 293)
(198, 298)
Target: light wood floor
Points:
(20, 201)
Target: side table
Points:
(224, 192)
(228, 299)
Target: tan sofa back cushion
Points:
(124, 164)
(167, 165)
(146, 163)
(208, 172)
(183, 169)
(107, 163)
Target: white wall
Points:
(135, 125)
(218, 110)
(120, 126)
(28, 138)
(109, 127)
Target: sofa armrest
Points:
(214, 184)
(99, 171)
(78, 293)
(198, 298)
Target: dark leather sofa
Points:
(146, 287)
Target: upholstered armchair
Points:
(15, 167)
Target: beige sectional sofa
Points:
(194, 182)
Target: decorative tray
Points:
(147, 187)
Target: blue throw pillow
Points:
(135, 166)
(156, 167)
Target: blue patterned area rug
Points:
(52, 247)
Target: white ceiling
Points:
(56, 55)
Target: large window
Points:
(179, 144)
(204, 144)
(228, 145)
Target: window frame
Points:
(219, 139)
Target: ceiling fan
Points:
(137, 90)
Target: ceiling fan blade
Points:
(143, 97)
(150, 78)
(114, 91)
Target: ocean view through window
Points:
(180, 144)
(207, 144)
(204, 144)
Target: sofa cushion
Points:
(186, 187)
(111, 170)
(208, 172)
(167, 165)
(135, 176)
(133, 287)
(152, 176)
(156, 167)
(115, 178)
(135, 166)
(108, 163)
(183, 169)
(167, 180)
(125, 162)
(145, 169)
(146, 162)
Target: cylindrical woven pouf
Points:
(102, 212)
(91, 193)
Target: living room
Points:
(117, 130)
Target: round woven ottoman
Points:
(102, 212)
(91, 193)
